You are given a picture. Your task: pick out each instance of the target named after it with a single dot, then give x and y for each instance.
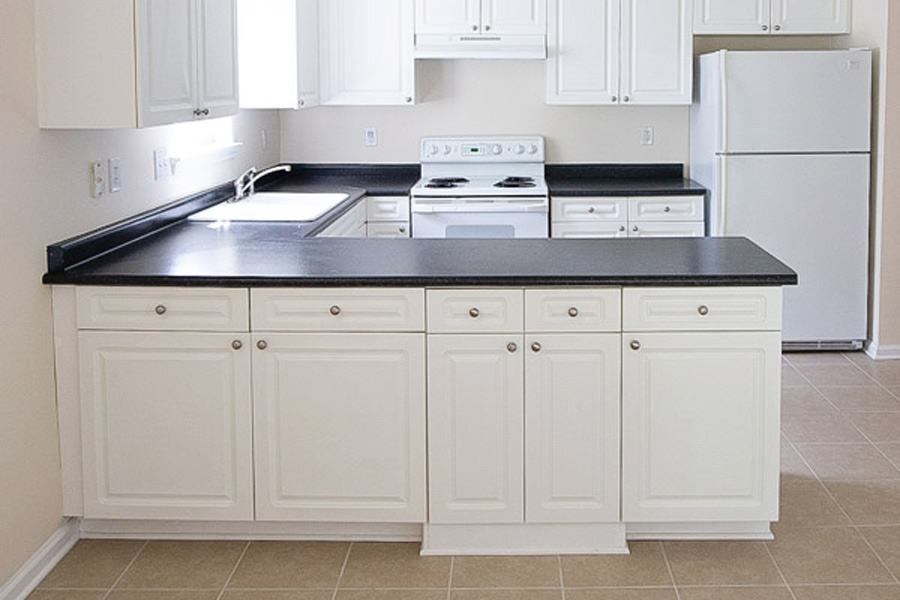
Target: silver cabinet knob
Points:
(161, 309)
(535, 347)
(302, 103)
(262, 344)
(335, 310)
(635, 229)
(778, 28)
(703, 310)
(622, 228)
(237, 344)
(408, 99)
(765, 27)
(402, 229)
(667, 209)
(512, 347)
(474, 313)
(615, 98)
(626, 98)
(198, 112)
(635, 345)
(573, 312)
(592, 210)
(474, 27)
(487, 27)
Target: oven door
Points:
(480, 218)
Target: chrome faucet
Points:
(245, 185)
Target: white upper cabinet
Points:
(154, 62)
(367, 52)
(619, 52)
(279, 53)
(497, 17)
(502, 17)
(762, 17)
(448, 16)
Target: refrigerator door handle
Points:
(723, 100)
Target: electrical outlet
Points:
(162, 168)
(98, 179)
(115, 175)
(648, 136)
(263, 139)
(371, 137)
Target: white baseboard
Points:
(32, 572)
(742, 530)
(524, 539)
(882, 352)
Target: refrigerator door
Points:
(809, 102)
(811, 212)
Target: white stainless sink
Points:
(272, 206)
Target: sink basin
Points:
(272, 206)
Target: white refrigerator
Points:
(782, 141)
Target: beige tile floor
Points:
(838, 538)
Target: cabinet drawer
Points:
(388, 229)
(388, 208)
(666, 208)
(475, 311)
(701, 309)
(589, 209)
(588, 229)
(573, 310)
(338, 310)
(162, 309)
(349, 224)
(649, 229)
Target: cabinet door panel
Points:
(340, 427)
(218, 76)
(167, 61)
(166, 425)
(572, 428)
(475, 428)
(731, 17)
(666, 229)
(503, 17)
(448, 16)
(583, 51)
(700, 426)
(811, 16)
(657, 52)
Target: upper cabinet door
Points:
(583, 52)
(448, 16)
(731, 17)
(810, 16)
(167, 61)
(514, 17)
(367, 52)
(657, 52)
(218, 74)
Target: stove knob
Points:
(520, 149)
(533, 149)
(497, 149)
(433, 150)
(448, 149)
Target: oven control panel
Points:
(509, 149)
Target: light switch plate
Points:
(371, 137)
(162, 168)
(115, 175)
(98, 179)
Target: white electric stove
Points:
(481, 187)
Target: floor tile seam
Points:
(665, 555)
(562, 581)
(870, 376)
(450, 577)
(524, 588)
(626, 587)
(877, 554)
(234, 569)
(412, 588)
(125, 570)
(337, 584)
(778, 569)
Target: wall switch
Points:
(263, 139)
(648, 136)
(98, 179)
(162, 168)
(371, 137)
(115, 175)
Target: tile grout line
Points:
(662, 548)
(780, 572)
(562, 581)
(450, 577)
(337, 584)
(122, 574)
(233, 571)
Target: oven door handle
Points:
(486, 207)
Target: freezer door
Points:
(812, 213)
(795, 101)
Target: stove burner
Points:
(516, 182)
(441, 185)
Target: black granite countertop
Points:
(620, 180)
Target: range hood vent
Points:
(481, 46)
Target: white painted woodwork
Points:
(657, 52)
(475, 310)
(514, 17)
(366, 52)
(589, 208)
(162, 308)
(700, 426)
(573, 310)
(589, 230)
(362, 309)
(583, 52)
(522, 539)
(476, 428)
(572, 420)
(166, 425)
(448, 16)
(666, 208)
(649, 229)
(777, 17)
(395, 229)
(701, 309)
(217, 71)
(68, 402)
(387, 208)
(340, 427)
(351, 224)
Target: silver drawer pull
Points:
(635, 345)
(474, 313)
(592, 210)
(667, 209)
(512, 347)
(573, 312)
(335, 310)
(535, 347)
(237, 344)
(161, 309)
(262, 344)
(703, 310)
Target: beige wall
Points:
(44, 198)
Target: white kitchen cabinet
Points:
(620, 52)
(153, 62)
(638, 216)
(764, 17)
(366, 52)
(387, 217)
(700, 421)
(476, 428)
(351, 224)
(494, 17)
(340, 427)
(166, 425)
(572, 427)
(279, 53)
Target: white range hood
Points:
(481, 46)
